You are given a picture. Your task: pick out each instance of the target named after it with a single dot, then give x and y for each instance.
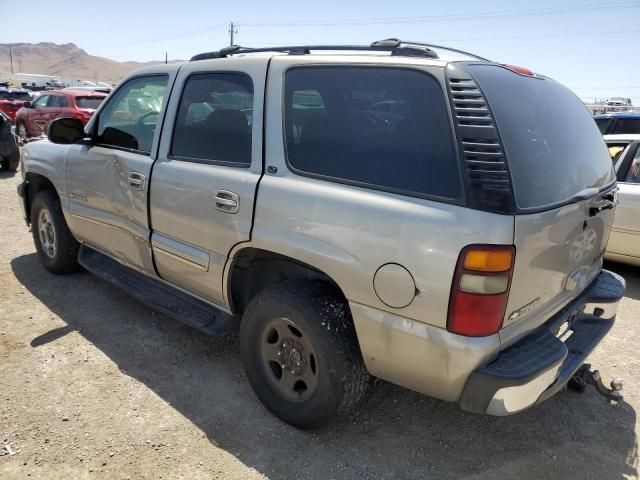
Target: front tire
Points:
(299, 350)
(21, 130)
(56, 247)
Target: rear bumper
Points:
(540, 364)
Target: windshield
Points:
(89, 102)
(553, 146)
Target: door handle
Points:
(227, 202)
(136, 181)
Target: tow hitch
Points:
(585, 376)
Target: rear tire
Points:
(57, 249)
(299, 350)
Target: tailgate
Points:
(558, 253)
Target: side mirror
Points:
(27, 105)
(65, 131)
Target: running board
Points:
(157, 295)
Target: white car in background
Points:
(624, 240)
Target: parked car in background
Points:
(9, 153)
(624, 240)
(106, 90)
(618, 123)
(34, 118)
(12, 99)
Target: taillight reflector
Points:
(480, 290)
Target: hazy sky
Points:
(591, 46)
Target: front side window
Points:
(41, 102)
(381, 127)
(633, 175)
(130, 118)
(214, 119)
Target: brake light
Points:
(480, 289)
(519, 70)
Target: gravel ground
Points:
(95, 385)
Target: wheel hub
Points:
(289, 359)
(47, 233)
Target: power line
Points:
(443, 18)
(384, 21)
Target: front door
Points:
(205, 178)
(107, 182)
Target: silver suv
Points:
(355, 212)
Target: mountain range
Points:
(66, 61)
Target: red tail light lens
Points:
(480, 290)
(519, 70)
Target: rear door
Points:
(108, 181)
(204, 181)
(563, 184)
(625, 234)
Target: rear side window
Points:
(89, 102)
(380, 127)
(214, 119)
(57, 101)
(553, 146)
(626, 125)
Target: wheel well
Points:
(37, 183)
(254, 269)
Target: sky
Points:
(591, 46)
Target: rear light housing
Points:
(480, 289)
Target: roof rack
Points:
(392, 45)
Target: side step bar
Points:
(159, 296)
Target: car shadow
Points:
(631, 274)
(397, 433)
(7, 174)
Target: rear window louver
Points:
(487, 175)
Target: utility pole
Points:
(166, 57)
(233, 29)
(11, 56)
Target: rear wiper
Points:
(583, 194)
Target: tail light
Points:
(519, 70)
(480, 289)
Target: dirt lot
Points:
(95, 385)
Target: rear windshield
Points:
(89, 102)
(552, 144)
(15, 96)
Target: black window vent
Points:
(486, 171)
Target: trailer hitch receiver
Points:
(585, 376)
